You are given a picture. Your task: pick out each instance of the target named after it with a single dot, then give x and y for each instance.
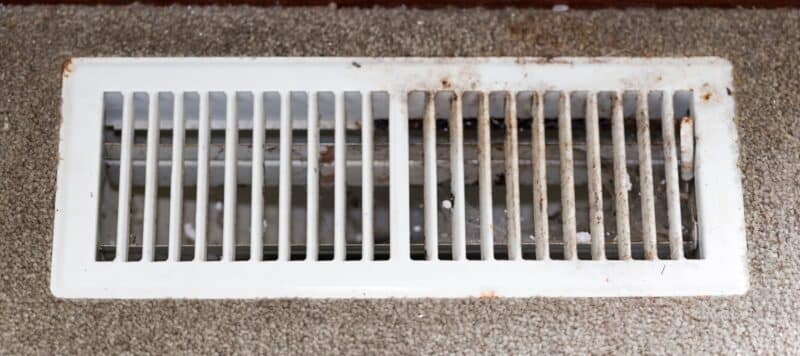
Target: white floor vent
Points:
(398, 177)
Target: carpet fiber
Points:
(764, 47)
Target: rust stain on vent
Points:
(66, 68)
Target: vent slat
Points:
(312, 185)
(646, 177)
(399, 201)
(539, 165)
(485, 178)
(176, 180)
(671, 176)
(687, 148)
(513, 228)
(201, 209)
(430, 204)
(125, 178)
(367, 184)
(229, 213)
(151, 180)
(285, 184)
(458, 207)
(567, 177)
(340, 180)
(257, 186)
(621, 178)
(595, 178)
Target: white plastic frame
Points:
(75, 273)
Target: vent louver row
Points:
(488, 180)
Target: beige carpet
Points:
(763, 45)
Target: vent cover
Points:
(404, 177)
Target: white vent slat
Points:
(285, 184)
(312, 184)
(539, 165)
(448, 208)
(567, 177)
(621, 178)
(201, 209)
(513, 228)
(687, 149)
(595, 184)
(671, 176)
(367, 181)
(458, 202)
(431, 200)
(485, 178)
(399, 202)
(646, 176)
(231, 142)
(257, 185)
(125, 173)
(176, 180)
(340, 181)
(151, 183)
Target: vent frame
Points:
(722, 270)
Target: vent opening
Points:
(244, 153)
(468, 231)
(499, 176)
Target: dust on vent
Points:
(398, 177)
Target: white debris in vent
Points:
(583, 237)
(417, 228)
(446, 204)
(188, 230)
(560, 8)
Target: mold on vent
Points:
(359, 177)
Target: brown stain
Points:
(547, 59)
(328, 155)
(446, 83)
(706, 96)
(488, 295)
(66, 68)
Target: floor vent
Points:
(398, 177)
